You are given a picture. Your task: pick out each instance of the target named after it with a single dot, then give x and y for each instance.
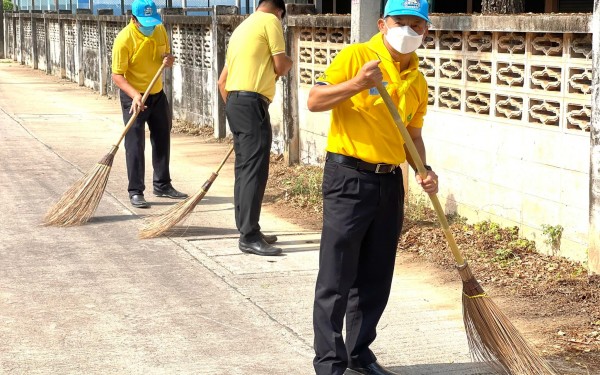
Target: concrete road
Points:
(95, 299)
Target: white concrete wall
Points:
(515, 175)
(313, 132)
(276, 113)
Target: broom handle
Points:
(412, 150)
(208, 183)
(224, 160)
(135, 114)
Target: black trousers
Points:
(362, 220)
(250, 125)
(158, 117)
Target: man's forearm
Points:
(125, 86)
(326, 97)
(223, 92)
(420, 146)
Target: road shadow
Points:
(113, 219)
(162, 201)
(299, 246)
(445, 369)
(304, 249)
(200, 231)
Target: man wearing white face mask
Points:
(138, 52)
(362, 185)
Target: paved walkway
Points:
(95, 299)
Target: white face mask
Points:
(403, 39)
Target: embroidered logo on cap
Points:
(416, 4)
(147, 11)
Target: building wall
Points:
(508, 126)
(508, 122)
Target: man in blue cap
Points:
(138, 52)
(362, 185)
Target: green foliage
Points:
(304, 186)
(511, 245)
(7, 5)
(488, 227)
(578, 271)
(523, 245)
(554, 234)
(417, 208)
(505, 257)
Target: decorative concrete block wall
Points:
(508, 124)
(508, 120)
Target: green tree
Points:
(501, 6)
(7, 5)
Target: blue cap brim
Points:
(150, 21)
(407, 12)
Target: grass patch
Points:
(302, 187)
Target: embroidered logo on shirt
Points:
(409, 117)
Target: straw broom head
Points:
(159, 224)
(492, 337)
(79, 203)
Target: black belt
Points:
(360, 165)
(250, 94)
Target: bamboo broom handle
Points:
(412, 150)
(214, 175)
(224, 160)
(135, 114)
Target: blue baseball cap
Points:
(419, 8)
(145, 12)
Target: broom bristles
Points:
(492, 338)
(80, 201)
(159, 224)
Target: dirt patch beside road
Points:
(552, 299)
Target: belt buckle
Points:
(378, 168)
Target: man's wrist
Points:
(427, 167)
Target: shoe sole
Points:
(141, 205)
(249, 250)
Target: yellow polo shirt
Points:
(362, 126)
(139, 57)
(249, 54)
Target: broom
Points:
(79, 203)
(491, 336)
(159, 224)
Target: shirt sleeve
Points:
(419, 118)
(274, 32)
(120, 57)
(341, 68)
(166, 39)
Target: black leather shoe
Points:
(269, 238)
(372, 369)
(260, 247)
(138, 201)
(170, 193)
